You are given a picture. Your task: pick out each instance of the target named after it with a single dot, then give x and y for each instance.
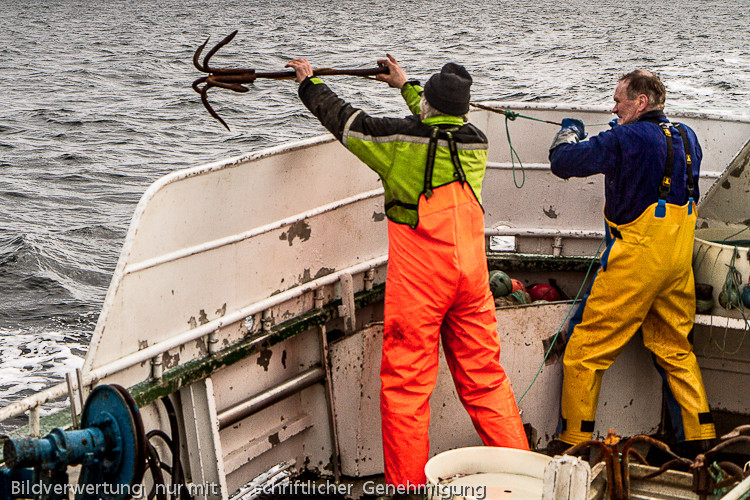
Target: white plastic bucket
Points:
(486, 472)
(711, 263)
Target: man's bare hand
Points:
(396, 77)
(301, 68)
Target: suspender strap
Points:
(396, 203)
(454, 156)
(688, 160)
(666, 181)
(431, 150)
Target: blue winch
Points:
(110, 446)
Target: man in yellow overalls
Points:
(651, 169)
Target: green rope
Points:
(733, 235)
(513, 115)
(731, 292)
(732, 284)
(519, 296)
(554, 340)
(510, 115)
(718, 475)
(698, 260)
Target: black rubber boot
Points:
(557, 447)
(691, 449)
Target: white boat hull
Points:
(233, 272)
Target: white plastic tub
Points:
(711, 263)
(484, 472)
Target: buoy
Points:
(543, 291)
(500, 284)
(517, 285)
(746, 295)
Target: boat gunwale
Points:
(120, 269)
(730, 115)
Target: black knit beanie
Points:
(448, 91)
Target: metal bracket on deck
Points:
(566, 478)
(347, 308)
(318, 298)
(213, 342)
(83, 394)
(156, 367)
(557, 246)
(266, 321)
(73, 402)
(202, 433)
(250, 324)
(34, 422)
(369, 279)
(325, 360)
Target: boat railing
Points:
(584, 231)
(236, 238)
(150, 353)
(209, 330)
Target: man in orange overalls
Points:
(432, 165)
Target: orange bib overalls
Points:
(437, 287)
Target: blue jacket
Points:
(632, 158)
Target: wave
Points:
(15, 194)
(41, 281)
(96, 231)
(73, 158)
(7, 129)
(34, 359)
(69, 123)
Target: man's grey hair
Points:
(428, 111)
(645, 82)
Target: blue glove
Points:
(576, 126)
(613, 123)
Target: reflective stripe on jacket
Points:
(396, 148)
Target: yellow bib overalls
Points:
(646, 282)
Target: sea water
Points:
(96, 104)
